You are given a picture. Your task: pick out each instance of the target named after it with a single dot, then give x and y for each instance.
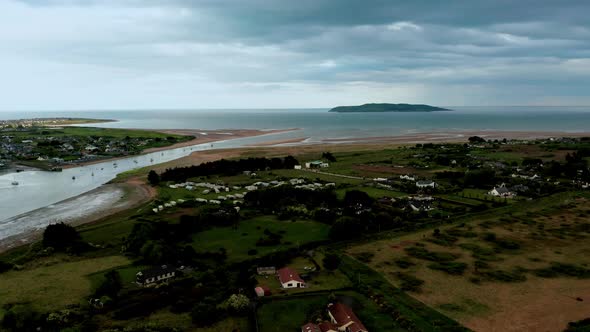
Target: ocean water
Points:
(318, 124)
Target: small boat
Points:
(92, 174)
(135, 161)
(73, 178)
(15, 183)
(101, 168)
(151, 160)
(18, 170)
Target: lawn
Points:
(272, 317)
(316, 281)
(55, 286)
(371, 191)
(238, 241)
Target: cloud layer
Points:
(121, 54)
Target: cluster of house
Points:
(76, 149)
(342, 319)
(313, 165)
(508, 192)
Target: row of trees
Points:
(227, 167)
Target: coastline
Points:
(294, 146)
(201, 137)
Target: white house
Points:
(407, 177)
(289, 278)
(425, 184)
(501, 191)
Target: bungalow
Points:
(289, 278)
(407, 177)
(343, 316)
(316, 164)
(425, 184)
(501, 191)
(152, 276)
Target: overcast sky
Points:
(132, 54)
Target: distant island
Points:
(388, 108)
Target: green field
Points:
(93, 131)
(238, 241)
(56, 286)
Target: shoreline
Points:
(293, 146)
(201, 137)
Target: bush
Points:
(423, 253)
(505, 276)
(153, 178)
(454, 268)
(404, 262)
(364, 256)
(409, 282)
(4, 266)
(331, 261)
(561, 269)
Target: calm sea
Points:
(320, 124)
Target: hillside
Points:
(388, 108)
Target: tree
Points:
(61, 236)
(331, 261)
(329, 156)
(237, 303)
(205, 314)
(153, 178)
(110, 286)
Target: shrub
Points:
(423, 253)
(409, 282)
(504, 276)
(404, 262)
(61, 236)
(454, 268)
(364, 256)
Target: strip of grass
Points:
(419, 316)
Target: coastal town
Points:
(48, 145)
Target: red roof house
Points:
(289, 278)
(343, 316)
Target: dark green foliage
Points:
(454, 268)
(404, 262)
(579, 326)
(480, 252)
(364, 256)
(329, 156)
(409, 282)
(442, 239)
(331, 261)
(480, 178)
(20, 317)
(205, 314)
(227, 167)
(346, 228)
(110, 286)
(562, 269)
(423, 253)
(153, 178)
(4, 266)
(353, 198)
(458, 232)
(476, 139)
(504, 276)
(61, 236)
